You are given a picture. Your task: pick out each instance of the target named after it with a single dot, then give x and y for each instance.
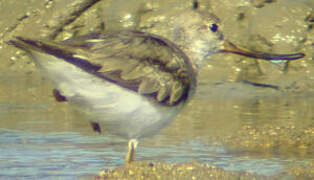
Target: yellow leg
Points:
(130, 155)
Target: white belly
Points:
(118, 110)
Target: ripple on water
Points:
(69, 155)
(36, 155)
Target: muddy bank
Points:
(194, 170)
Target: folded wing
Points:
(141, 62)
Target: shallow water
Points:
(42, 141)
(69, 155)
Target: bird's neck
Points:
(199, 50)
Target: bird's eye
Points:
(213, 27)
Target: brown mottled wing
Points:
(145, 63)
(141, 62)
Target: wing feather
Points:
(145, 63)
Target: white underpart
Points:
(118, 110)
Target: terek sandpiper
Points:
(131, 83)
